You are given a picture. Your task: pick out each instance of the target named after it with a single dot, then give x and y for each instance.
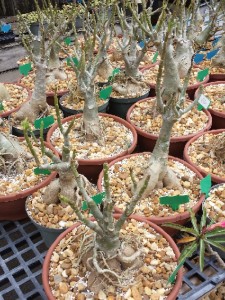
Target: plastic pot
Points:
(70, 112)
(12, 206)
(120, 106)
(147, 141)
(4, 114)
(215, 179)
(216, 77)
(92, 167)
(218, 117)
(178, 218)
(45, 273)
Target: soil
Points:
(52, 215)
(18, 95)
(150, 75)
(145, 117)
(216, 93)
(201, 153)
(5, 126)
(61, 85)
(215, 203)
(14, 182)
(120, 183)
(116, 139)
(66, 280)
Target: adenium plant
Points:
(200, 236)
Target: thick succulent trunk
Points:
(219, 59)
(183, 56)
(109, 243)
(37, 104)
(54, 70)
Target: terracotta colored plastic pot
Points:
(215, 179)
(12, 206)
(4, 114)
(147, 141)
(92, 167)
(45, 272)
(190, 90)
(216, 77)
(218, 117)
(178, 218)
(50, 96)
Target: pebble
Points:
(63, 287)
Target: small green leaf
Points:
(202, 74)
(49, 120)
(180, 228)
(67, 41)
(194, 221)
(154, 59)
(216, 244)
(203, 218)
(205, 185)
(201, 254)
(97, 199)
(38, 171)
(104, 94)
(219, 239)
(215, 232)
(25, 69)
(174, 201)
(1, 106)
(75, 61)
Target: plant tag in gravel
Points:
(205, 185)
(141, 44)
(215, 41)
(203, 102)
(114, 72)
(1, 106)
(104, 94)
(25, 69)
(38, 171)
(75, 61)
(202, 74)
(49, 120)
(6, 28)
(154, 60)
(97, 199)
(67, 41)
(199, 57)
(174, 201)
(211, 54)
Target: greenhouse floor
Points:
(22, 252)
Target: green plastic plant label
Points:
(205, 185)
(75, 61)
(104, 94)
(97, 199)
(154, 59)
(1, 106)
(174, 201)
(203, 102)
(67, 41)
(202, 74)
(49, 120)
(25, 69)
(38, 171)
(114, 72)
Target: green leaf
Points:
(201, 254)
(174, 201)
(49, 120)
(202, 74)
(219, 239)
(180, 228)
(154, 59)
(67, 41)
(215, 232)
(38, 171)
(215, 244)
(75, 61)
(25, 69)
(194, 221)
(97, 199)
(205, 184)
(187, 252)
(203, 218)
(104, 94)
(1, 106)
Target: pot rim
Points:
(102, 160)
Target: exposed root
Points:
(55, 74)
(105, 69)
(30, 112)
(218, 147)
